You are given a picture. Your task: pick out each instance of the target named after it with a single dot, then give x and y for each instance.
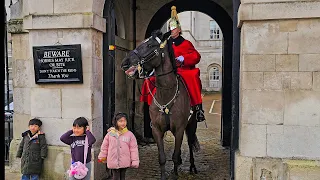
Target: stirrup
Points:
(200, 116)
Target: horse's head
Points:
(141, 61)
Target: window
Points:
(214, 30)
(214, 76)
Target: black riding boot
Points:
(199, 113)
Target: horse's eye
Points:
(149, 45)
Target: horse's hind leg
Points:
(192, 142)
(192, 165)
(158, 137)
(176, 157)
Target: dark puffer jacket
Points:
(32, 151)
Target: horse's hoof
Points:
(193, 170)
(175, 177)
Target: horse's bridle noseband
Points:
(147, 58)
(150, 56)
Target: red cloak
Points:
(187, 71)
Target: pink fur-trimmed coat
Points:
(120, 150)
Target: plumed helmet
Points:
(174, 20)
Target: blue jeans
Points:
(30, 177)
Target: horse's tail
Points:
(191, 135)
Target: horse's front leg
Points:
(176, 157)
(158, 137)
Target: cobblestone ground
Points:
(212, 161)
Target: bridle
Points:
(143, 60)
(165, 109)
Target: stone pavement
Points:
(11, 176)
(212, 161)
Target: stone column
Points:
(57, 22)
(279, 90)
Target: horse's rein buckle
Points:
(140, 71)
(156, 52)
(166, 110)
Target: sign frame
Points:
(76, 56)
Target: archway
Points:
(229, 29)
(225, 22)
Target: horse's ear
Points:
(157, 33)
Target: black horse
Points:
(170, 109)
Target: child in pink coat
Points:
(119, 148)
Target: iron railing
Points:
(8, 126)
(8, 113)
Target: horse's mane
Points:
(166, 36)
(171, 55)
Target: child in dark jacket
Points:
(76, 139)
(32, 151)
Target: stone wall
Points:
(279, 96)
(280, 81)
(57, 105)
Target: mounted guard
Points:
(170, 105)
(186, 58)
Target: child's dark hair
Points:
(35, 121)
(81, 122)
(118, 116)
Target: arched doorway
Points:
(225, 22)
(228, 27)
(114, 92)
(108, 66)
